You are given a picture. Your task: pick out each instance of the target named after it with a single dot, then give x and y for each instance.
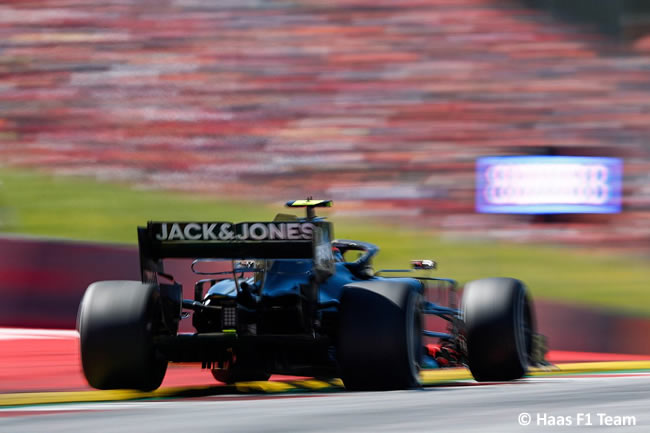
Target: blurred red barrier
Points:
(42, 282)
(580, 328)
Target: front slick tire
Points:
(380, 336)
(116, 323)
(499, 325)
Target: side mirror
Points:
(423, 264)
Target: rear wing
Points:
(299, 239)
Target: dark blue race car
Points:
(283, 297)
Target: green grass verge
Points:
(42, 205)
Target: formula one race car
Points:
(281, 298)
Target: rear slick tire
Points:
(116, 322)
(380, 336)
(499, 325)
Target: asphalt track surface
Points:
(457, 407)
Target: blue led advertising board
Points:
(548, 184)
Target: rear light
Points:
(229, 318)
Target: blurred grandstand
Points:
(382, 105)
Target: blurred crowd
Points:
(381, 105)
